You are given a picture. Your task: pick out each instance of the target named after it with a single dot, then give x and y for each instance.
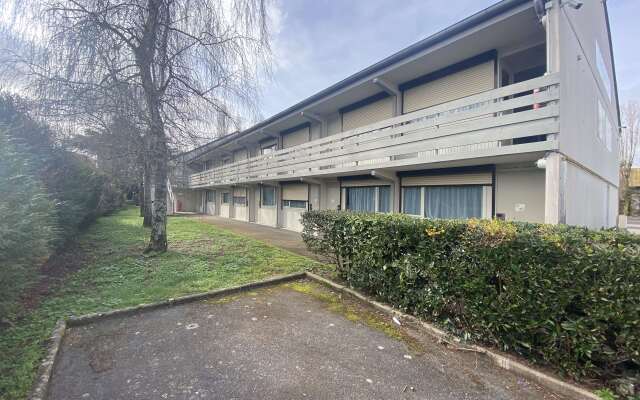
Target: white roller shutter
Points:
(368, 114)
(478, 178)
(296, 137)
(364, 182)
(460, 84)
(295, 191)
(240, 155)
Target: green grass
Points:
(201, 257)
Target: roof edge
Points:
(440, 36)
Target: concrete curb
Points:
(499, 360)
(41, 385)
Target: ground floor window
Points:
(368, 198)
(384, 199)
(449, 202)
(268, 196)
(211, 196)
(294, 203)
(411, 200)
(240, 200)
(226, 198)
(453, 202)
(361, 199)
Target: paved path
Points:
(274, 343)
(288, 240)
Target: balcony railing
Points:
(482, 125)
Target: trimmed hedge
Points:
(564, 296)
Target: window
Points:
(368, 198)
(605, 128)
(294, 203)
(361, 199)
(268, 196)
(211, 196)
(603, 72)
(453, 202)
(226, 197)
(240, 200)
(411, 200)
(384, 199)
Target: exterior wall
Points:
(211, 208)
(579, 49)
(591, 201)
(520, 194)
(268, 216)
(187, 200)
(330, 196)
(291, 218)
(241, 213)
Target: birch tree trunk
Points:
(147, 197)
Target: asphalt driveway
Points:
(293, 341)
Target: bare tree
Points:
(189, 60)
(629, 141)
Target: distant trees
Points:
(629, 142)
(184, 63)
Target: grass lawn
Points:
(115, 275)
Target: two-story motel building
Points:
(510, 113)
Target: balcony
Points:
(487, 124)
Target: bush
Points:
(47, 194)
(559, 295)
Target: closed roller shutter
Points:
(296, 191)
(296, 137)
(464, 83)
(365, 115)
(239, 192)
(240, 155)
(364, 182)
(480, 178)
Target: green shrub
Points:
(559, 295)
(47, 194)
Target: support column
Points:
(555, 186)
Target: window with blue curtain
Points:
(268, 196)
(454, 202)
(411, 200)
(361, 199)
(384, 199)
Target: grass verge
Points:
(114, 275)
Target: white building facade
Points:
(511, 113)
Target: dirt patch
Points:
(52, 273)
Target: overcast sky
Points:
(319, 42)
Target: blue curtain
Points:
(411, 200)
(455, 202)
(384, 196)
(361, 199)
